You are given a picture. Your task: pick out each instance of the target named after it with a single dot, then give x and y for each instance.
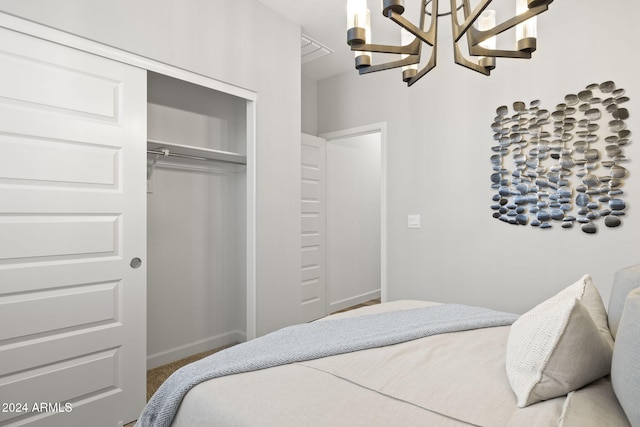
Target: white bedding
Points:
(455, 379)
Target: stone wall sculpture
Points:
(564, 166)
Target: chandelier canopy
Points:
(478, 24)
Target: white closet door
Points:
(72, 217)
(313, 236)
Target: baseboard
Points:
(177, 353)
(350, 302)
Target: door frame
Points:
(34, 29)
(381, 128)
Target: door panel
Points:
(313, 274)
(72, 216)
(44, 236)
(26, 163)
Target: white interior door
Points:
(313, 238)
(72, 218)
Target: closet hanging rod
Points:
(161, 148)
(170, 154)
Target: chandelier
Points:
(479, 26)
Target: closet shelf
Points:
(170, 149)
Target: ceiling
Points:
(325, 21)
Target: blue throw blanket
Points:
(314, 340)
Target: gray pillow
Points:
(625, 368)
(624, 281)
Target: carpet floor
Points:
(156, 376)
(364, 304)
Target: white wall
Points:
(263, 55)
(353, 220)
(439, 140)
(195, 264)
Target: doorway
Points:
(343, 219)
(353, 219)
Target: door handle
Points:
(135, 262)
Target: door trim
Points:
(71, 40)
(381, 128)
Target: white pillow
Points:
(560, 345)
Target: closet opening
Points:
(196, 219)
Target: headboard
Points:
(624, 322)
(624, 281)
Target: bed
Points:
(567, 362)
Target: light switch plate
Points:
(413, 221)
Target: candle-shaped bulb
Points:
(526, 32)
(486, 21)
(358, 21)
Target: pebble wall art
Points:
(562, 168)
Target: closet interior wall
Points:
(196, 222)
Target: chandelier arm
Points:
(433, 23)
(433, 29)
(457, 54)
(498, 53)
(430, 66)
(412, 48)
(410, 60)
(428, 36)
(422, 73)
(478, 36)
(470, 17)
(461, 60)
